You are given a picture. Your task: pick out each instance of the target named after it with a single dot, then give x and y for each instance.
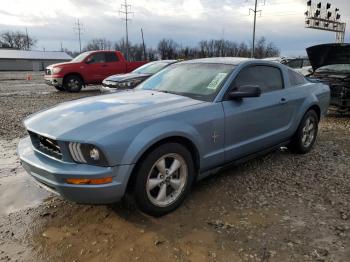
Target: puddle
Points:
(17, 190)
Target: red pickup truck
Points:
(88, 68)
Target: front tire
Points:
(60, 88)
(73, 83)
(305, 136)
(163, 179)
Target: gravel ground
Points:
(281, 207)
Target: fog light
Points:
(94, 154)
(87, 181)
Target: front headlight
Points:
(109, 83)
(87, 154)
(56, 70)
(131, 83)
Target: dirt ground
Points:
(281, 207)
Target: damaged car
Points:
(331, 65)
(300, 64)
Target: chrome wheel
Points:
(73, 84)
(167, 180)
(309, 132)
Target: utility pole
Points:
(27, 38)
(78, 28)
(143, 45)
(254, 27)
(125, 10)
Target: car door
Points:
(96, 67)
(114, 65)
(256, 123)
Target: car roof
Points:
(164, 61)
(220, 60)
(100, 51)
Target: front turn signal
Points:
(87, 181)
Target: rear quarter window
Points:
(295, 78)
(111, 57)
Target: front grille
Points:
(47, 72)
(46, 145)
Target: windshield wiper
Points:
(166, 92)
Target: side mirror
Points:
(245, 91)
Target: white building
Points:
(21, 60)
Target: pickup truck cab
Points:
(88, 68)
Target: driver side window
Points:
(267, 78)
(97, 58)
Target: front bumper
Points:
(52, 175)
(108, 88)
(54, 81)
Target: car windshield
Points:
(151, 68)
(196, 80)
(81, 57)
(338, 68)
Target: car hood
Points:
(126, 77)
(328, 54)
(62, 64)
(85, 118)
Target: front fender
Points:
(157, 132)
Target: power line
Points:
(79, 28)
(125, 10)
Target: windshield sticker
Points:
(214, 84)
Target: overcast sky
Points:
(186, 21)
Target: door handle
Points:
(283, 101)
(104, 65)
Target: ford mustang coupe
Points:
(178, 126)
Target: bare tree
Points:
(16, 40)
(223, 48)
(136, 51)
(168, 49)
(121, 46)
(98, 44)
(152, 54)
(243, 50)
(264, 49)
(71, 53)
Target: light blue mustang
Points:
(178, 126)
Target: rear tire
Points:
(163, 179)
(305, 136)
(73, 83)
